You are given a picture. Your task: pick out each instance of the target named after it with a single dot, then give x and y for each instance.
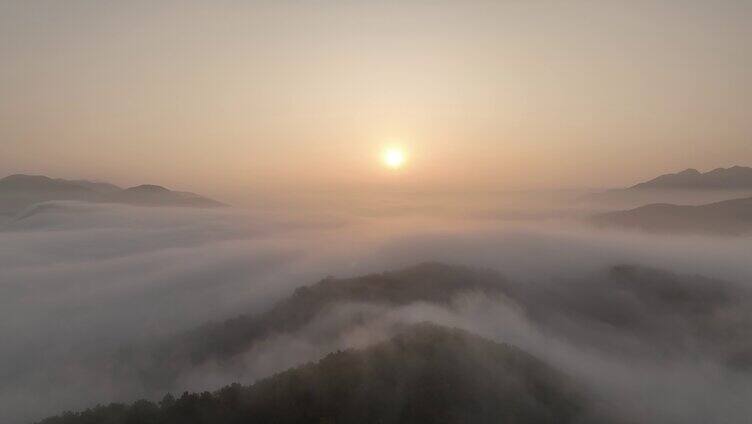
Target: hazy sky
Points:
(229, 96)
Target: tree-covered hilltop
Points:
(159, 365)
(425, 374)
(427, 282)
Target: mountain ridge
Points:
(221, 341)
(19, 191)
(424, 373)
(689, 186)
(732, 178)
(727, 217)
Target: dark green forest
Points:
(425, 374)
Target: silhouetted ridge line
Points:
(734, 178)
(424, 374)
(728, 217)
(19, 191)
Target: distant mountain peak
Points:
(691, 171)
(36, 183)
(19, 177)
(733, 178)
(149, 188)
(155, 195)
(24, 178)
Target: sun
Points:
(394, 157)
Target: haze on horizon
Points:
(225, 98)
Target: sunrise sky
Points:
(223, 97)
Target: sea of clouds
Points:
(80, 279)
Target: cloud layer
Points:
(79, 281)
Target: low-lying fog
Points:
(81, 280)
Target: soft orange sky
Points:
(227, 97)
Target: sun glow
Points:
(394, 157)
